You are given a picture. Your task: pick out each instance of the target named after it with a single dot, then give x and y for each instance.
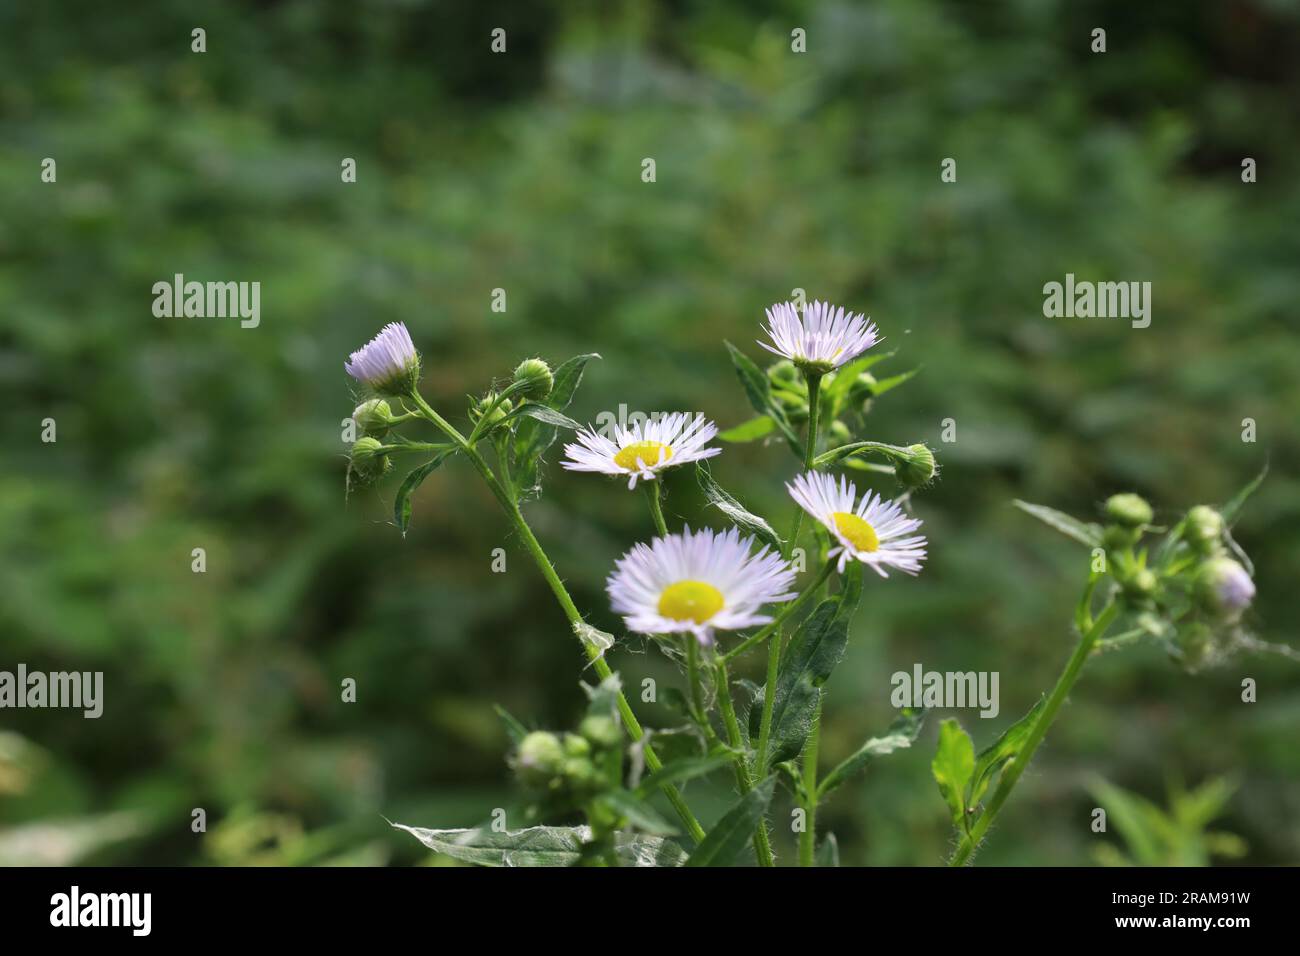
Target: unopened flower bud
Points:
(540, 759)
(603, 732)
(783, 372)
(1223, 587)
(840, 432)
(576, 746)
(365, 449)
(918, 469)
(1141, 584)
(863, 388)
(536, 379)
(1202, 528)
(500, 412)
(580, 773)
(373, 417)
(1128, 510)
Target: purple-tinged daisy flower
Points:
(388, 363)
(822, 339)
(875, 532)
(698, 582)
(645, 449)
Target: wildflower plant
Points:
(710, 596)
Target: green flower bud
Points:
(536, 378)
(580, 773)
(863, 388)
(1128, 510)
(603, 732)
(1224, 588)
(783, 372)
(1195, 643)
(365, 449)
(575, 746)
(540, 759)
(373, 417)
(1141, 584)
(794, 404)
(1203, 528)
(918, 469)
(840, 432)
(477, 409)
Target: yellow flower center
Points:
(859, 533)
(640, 454)
(690, 601)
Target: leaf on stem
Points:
(716, 495)
(542, 846)
(751, 430)
(759, 392)
(516, 730)
(828, 854)
(994, 758)
(1084, 533)
(723, 845)
(1230, 510)
(902, 733)
(402, 503)
(953, 766)
(639, 814)
(686, 768)
(814, 650)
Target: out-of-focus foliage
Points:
(522, 172)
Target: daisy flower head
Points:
(697, 582)
(820, 340)
(645, 449)
(388, 363)
(875, 532)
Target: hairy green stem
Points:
(1018, 763)
(594, 654)
(765, 724)
(762, 848)
(653, 494)
(808, 838)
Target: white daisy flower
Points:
(824, 337)
(645, 449)
(388, 363)
(875, 532)
(698, 582)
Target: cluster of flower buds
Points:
(574, 767)
(1193, 592)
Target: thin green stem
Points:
(814, 381)
(653, 493)
(762, 848)
(1018, 764)
(783, 614)
(594, 654)
(808, 838)
(765, 725)
(693, 676)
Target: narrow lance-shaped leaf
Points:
(902, 733)
(1084, 533)
(402, 503)
(639, 814)
(717, 496)
(543, 413)
(828, 854)
(953, 766)
(1230, 510)
(751, 430)
(686, 768)
(516, 730)
(724, 844)
(759, 392)
(814, 651)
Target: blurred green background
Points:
(521, 171)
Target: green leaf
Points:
(953, 766)
(902, 733)
(402, 503)
(724, 844)
(717, 496)
(838, 387)
(639, 814)
(1089, 534)
(759, 392)
(543, 413)
(516, 730)
(828, 854)
(1230, 510)
(749, 431)
(886, 384)
(1001, 752)
(814, 650)
(541, 846)
(567, 379)
(685, 768)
